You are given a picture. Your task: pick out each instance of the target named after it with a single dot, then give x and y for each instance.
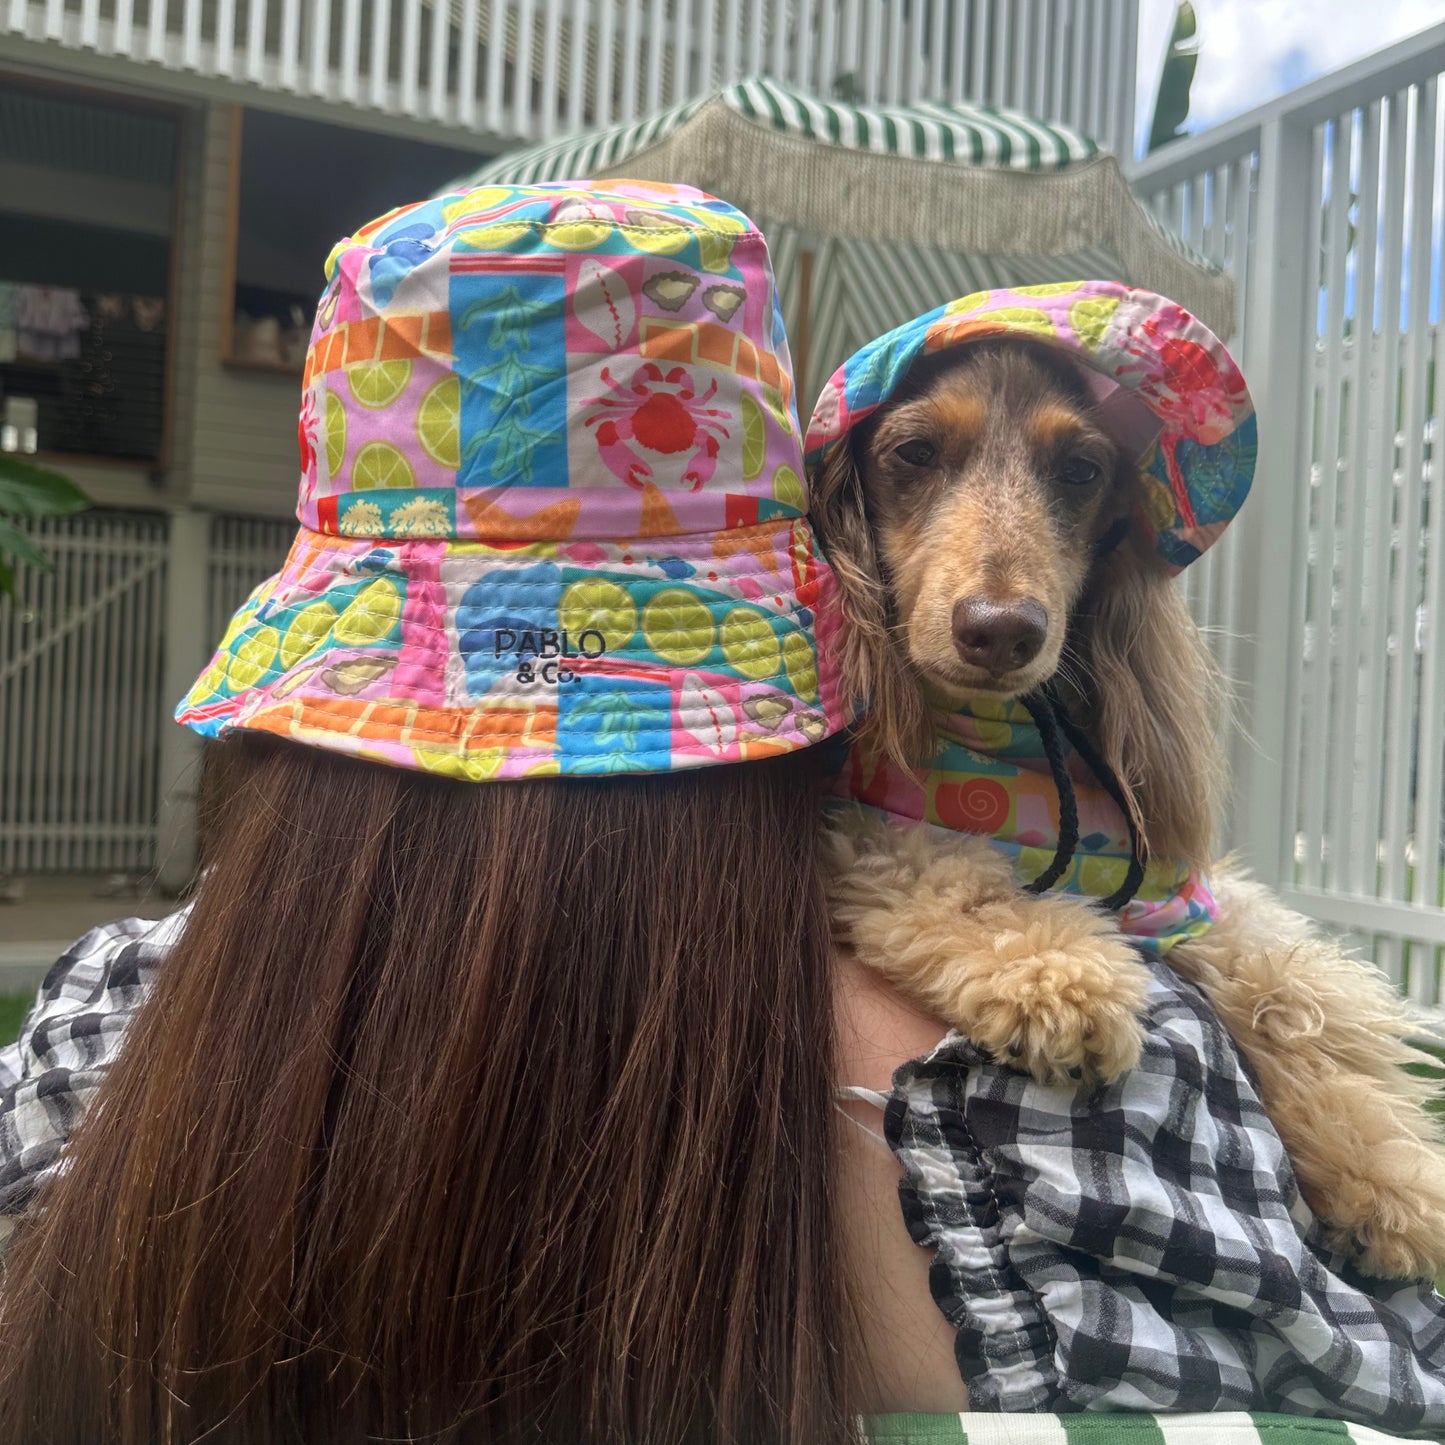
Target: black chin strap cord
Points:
(1052, 720)
(1041, 708)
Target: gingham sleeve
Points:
(1143, 1245)
(69, 1040)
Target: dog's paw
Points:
(1387, 1213)
(1060, 1002)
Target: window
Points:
(87, 213)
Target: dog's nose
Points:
(998, 636)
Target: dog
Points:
(978, 525)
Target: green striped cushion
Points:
(1217, 1429)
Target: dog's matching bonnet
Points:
(1165, 385)
(552, 502)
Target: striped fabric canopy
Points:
(876, 213)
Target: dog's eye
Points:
(1080, 471)
(916, 454)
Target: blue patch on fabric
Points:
(512, 357)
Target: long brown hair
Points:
(463, 1113)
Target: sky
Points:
(1251, 51)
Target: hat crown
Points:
(551, 362)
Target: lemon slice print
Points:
(749, 644)
(576, 235)
(493, 238)
(678, 627)
(1090, 318)
(210, 681)
(801, 665)
(334, 421)
(439, 423)
(379, 464)
(755, 439)
(252, 660)
(788, 488)
(378, 383)
(307, 629)
(596, 605)
(370, 616)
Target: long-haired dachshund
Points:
(968, 520)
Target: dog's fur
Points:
(1005, 483)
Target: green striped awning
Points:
(972, 135)
(901, 208)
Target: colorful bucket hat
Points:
(1166, 388)
(553, 514)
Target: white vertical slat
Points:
(605, 31)
(779, 61)
(191, 35)
(319, 59)
(1045, 38)
(1415, 264)
(1381, 501)
(10, 645)
(937, 53)
(806, 47)
(1354, 833)
(1430, 794)
(55, 19)
(256, 40)
(1056, 104)
(978, 82)
(1079, 80)
(656, 31)
(680, 87)
(1318, 713)
(350, 78)
(410, 52)
(1407, 599)
(1000, 72)
(551, 58)
(128, 658)
(155, 29)
(87, 699)
(732, 30)
(63, 723)
(581, 36)
(290, 52)
(870, 58)
(124, 18)
(629, 108)
(496, 54)
(911, 56)
(850, 38)
(1296, 679)
(225, 51)
(150, 753)
(962, 20)
(438, 60)
(89, 23)
(1020, 14)
(44, 732)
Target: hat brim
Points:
(479, 661)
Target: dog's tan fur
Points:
(1048, 981)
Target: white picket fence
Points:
(529, 69)
(1330, 594)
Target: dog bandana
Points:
(991, 776)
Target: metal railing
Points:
(1328, 206)
(507, 70)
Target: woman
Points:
(471, 1102)
(487, 1095)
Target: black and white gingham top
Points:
(1140, 1247)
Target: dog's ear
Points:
(872, 661)
(1157, 701)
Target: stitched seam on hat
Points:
(459, 226)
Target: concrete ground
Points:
(41, 917)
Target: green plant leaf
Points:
(27, 490)
(15, 544)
